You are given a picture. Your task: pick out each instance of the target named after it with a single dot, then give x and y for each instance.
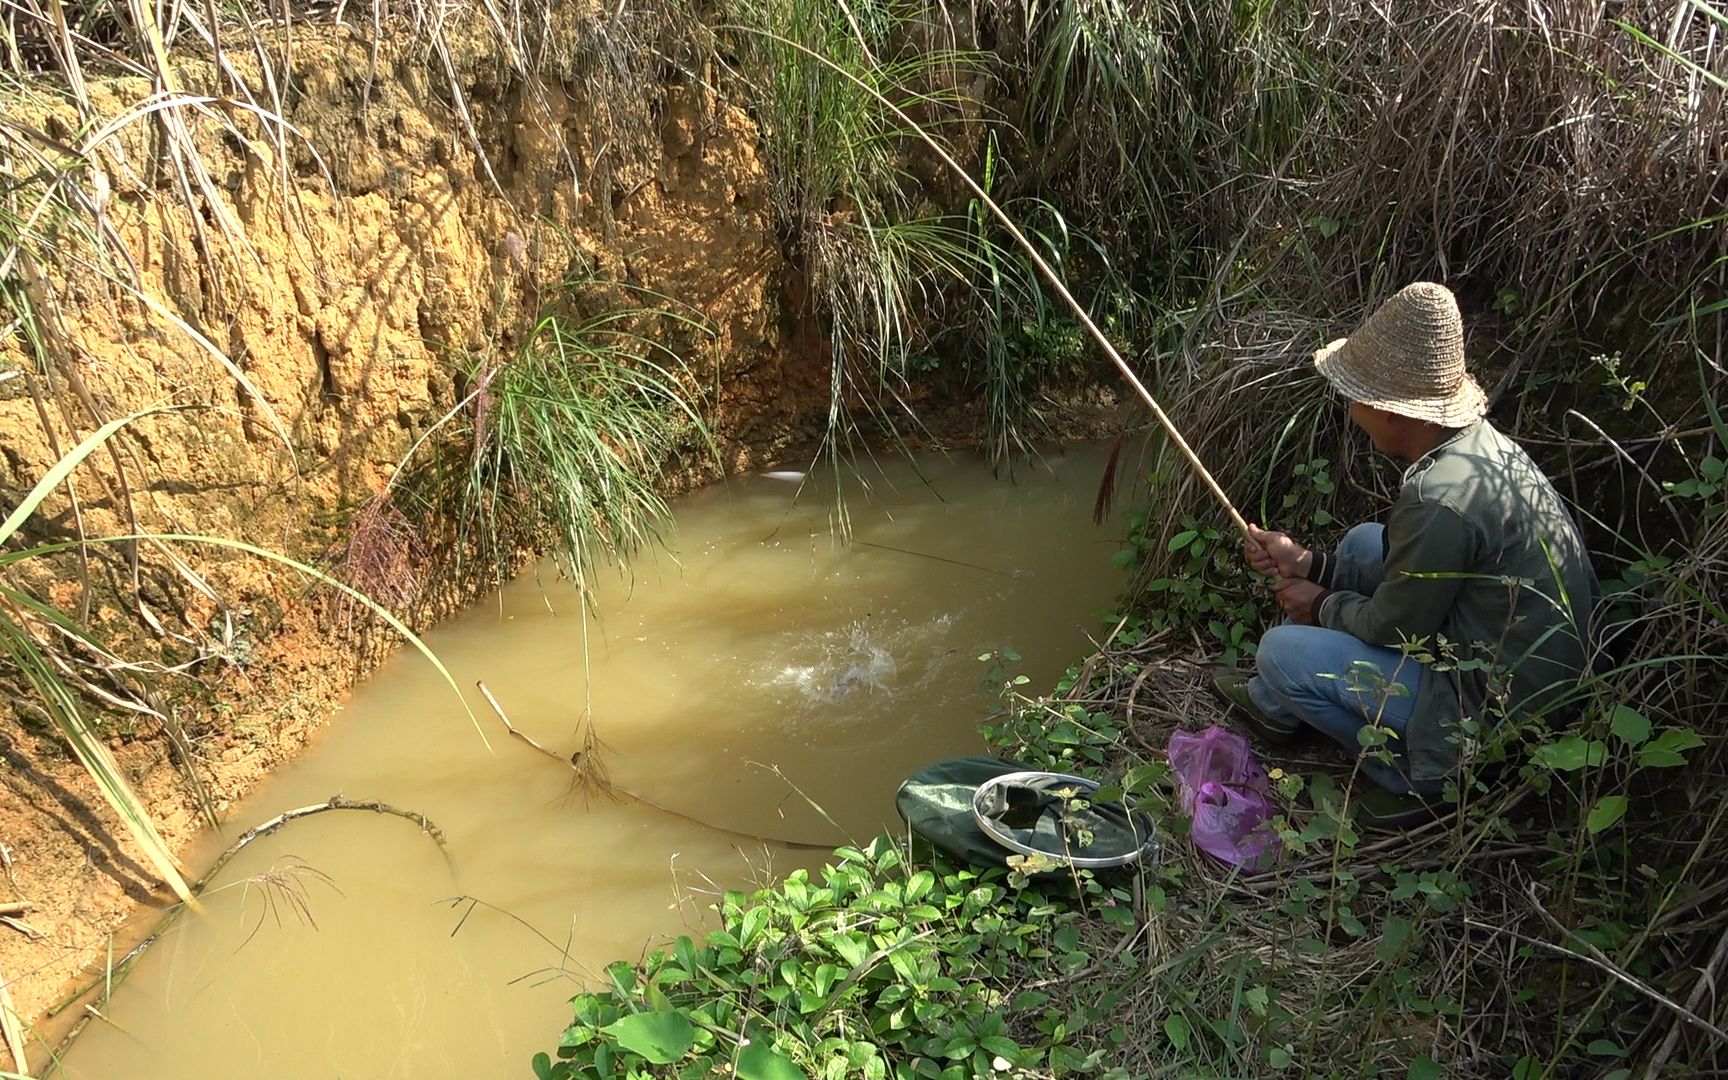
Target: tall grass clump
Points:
(885, 254)
(570, 436)
(1016, 336)
(1147, 122)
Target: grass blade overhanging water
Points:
(23, 619)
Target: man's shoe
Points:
(1232, 685)
(1378, 808)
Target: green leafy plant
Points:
(877, 967)
(1047, 732)
(1191, 582)
(1707, 485)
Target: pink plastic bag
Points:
(1227, 795)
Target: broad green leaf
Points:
(848, 947)
(1177, 1030)
(1001, 1046)
(1424, 1068)
(1678, 739)
(1258, 998)
(1181, 540)
(1629, 725)
(755, 921)
(758, 1062)
(661, 1037)
(1608, 810)
(1394, 935)
(1665, 751)
(1571, 753)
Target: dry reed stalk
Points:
(13, 1030)
(335, 802)
(382, 558)
(591, 778)
(587, 762)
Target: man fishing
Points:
(1479, 567)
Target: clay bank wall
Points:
(303, 293)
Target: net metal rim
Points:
(1042, 780)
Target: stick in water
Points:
(643, 799)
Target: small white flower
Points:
(1000, 1064)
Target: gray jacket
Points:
(1483, 563)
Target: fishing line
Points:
(934, 558)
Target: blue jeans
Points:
(1340, 684)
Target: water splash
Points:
(846, 663)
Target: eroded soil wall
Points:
(345, 267)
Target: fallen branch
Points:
(1595, 959)
(511, 728)
(1706, 983)
(112, 975)
(16, 907)
(586, 763)
(336, 802)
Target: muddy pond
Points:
(763, 670)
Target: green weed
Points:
(879, 967)
(570, 436)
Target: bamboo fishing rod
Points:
(1049, 273)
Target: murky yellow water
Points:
(767, 667)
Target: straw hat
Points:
(1408, 358)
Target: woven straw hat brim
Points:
(1467, 404)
